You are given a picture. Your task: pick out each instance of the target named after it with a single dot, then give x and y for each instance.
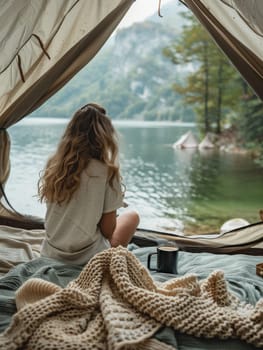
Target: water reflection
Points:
(169, 187)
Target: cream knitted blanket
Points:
(115, 304)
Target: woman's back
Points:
(81, 187)
(72, 228)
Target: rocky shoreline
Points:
(229, 141)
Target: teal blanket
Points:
(239, 270)
(240, 273)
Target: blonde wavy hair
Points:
(89, 135)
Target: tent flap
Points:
(236, 26)
(43, 44)
(55, 39)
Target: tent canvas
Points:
(206, 142)
(187, 140)
(54, 39)
(234, 26)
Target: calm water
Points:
(171, 189)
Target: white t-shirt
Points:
(72, 232)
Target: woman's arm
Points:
(119, 231)
(107, 224)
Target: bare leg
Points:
(125, 228)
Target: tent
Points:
(44, 43)
(206, 143)
(187, 140)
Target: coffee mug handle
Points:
(149, 261)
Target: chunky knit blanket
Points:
(115, 304)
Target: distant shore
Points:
(117, 122)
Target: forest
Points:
(222, 100)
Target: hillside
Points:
(129, 76)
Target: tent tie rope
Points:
(41, 45)
(159, 9)
(19, 63)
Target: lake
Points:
(172, 189)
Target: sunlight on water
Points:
(171, 189)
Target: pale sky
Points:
(140, 10)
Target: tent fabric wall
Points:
(251, 12)
(51, 41)
(71, 35)
(236, 27)
(4, 156)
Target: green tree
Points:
(210, 78)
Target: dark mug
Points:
(166, 259)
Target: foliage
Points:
(212, 86)
(215, 89)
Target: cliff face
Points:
(129, 76)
